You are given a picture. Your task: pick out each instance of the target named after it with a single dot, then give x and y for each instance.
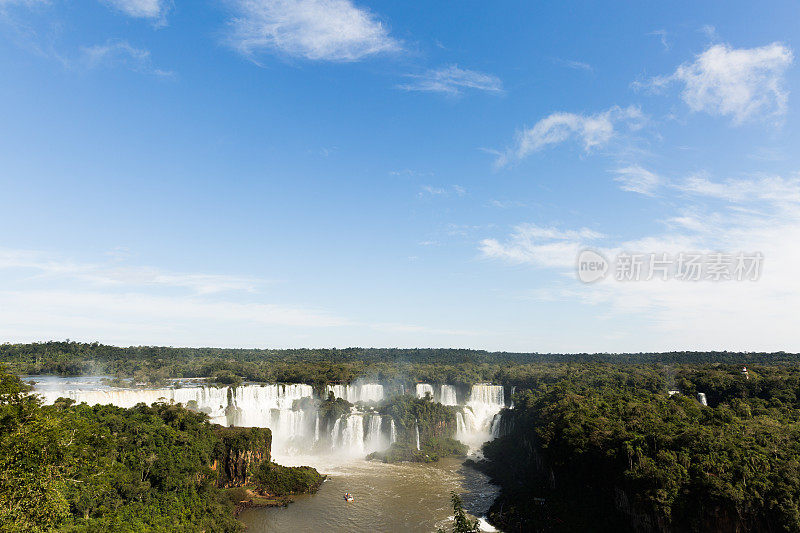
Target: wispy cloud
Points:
(430, 190)
(321, 30)
(50, 296)
(453, 80)
(756, 214)
(576, 65)
(539, 245)
(742, 83)
(9, 3)
(637, 179)
(113, 274)
(590, 130)
(148, 9)
(662, 36)
(114, 53)
(506, 204)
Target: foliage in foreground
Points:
(102, 468)
(461, 524)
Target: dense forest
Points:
(597, 454)
(80, 468)
(155, 365)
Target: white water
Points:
(297, 431)
(447, 395)
(423, 389)
(357, 392)
(478, 422)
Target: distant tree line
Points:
(154, 365)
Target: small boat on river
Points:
(348, 497)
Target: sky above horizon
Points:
(278, 173)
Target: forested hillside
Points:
(80, 468)
(595, 454)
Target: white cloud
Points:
(5, 3)
(774, 189)
(150, 9)
(591, 131)
(662, 35)
(118, 53)
(46, 266)
(639, 180)
(329, 30)
(743, 83)
(759, 214)
(540, 246)
(429, 190)
(48, 296)
(453, 80)
(576, 65)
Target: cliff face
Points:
(238, 454)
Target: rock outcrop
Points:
(238, 454)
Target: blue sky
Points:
(265, 173)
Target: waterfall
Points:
(495, 426)
(447, 395)
(256, 402)
(701, 397)
(348, 437)
(477, 424)
(424, 388)
(297, 426)
(357, 392)
(460, 426)
(374, 440)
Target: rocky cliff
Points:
(238, 453)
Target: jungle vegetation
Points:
(80, 468)
(603, 455)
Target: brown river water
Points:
(407, 497)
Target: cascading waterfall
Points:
(478, 421)
(289, 411)
(374, 439)
(357, 392)
(348, 436)
(423, 389)
(447, 395)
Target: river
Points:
(407, 497)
